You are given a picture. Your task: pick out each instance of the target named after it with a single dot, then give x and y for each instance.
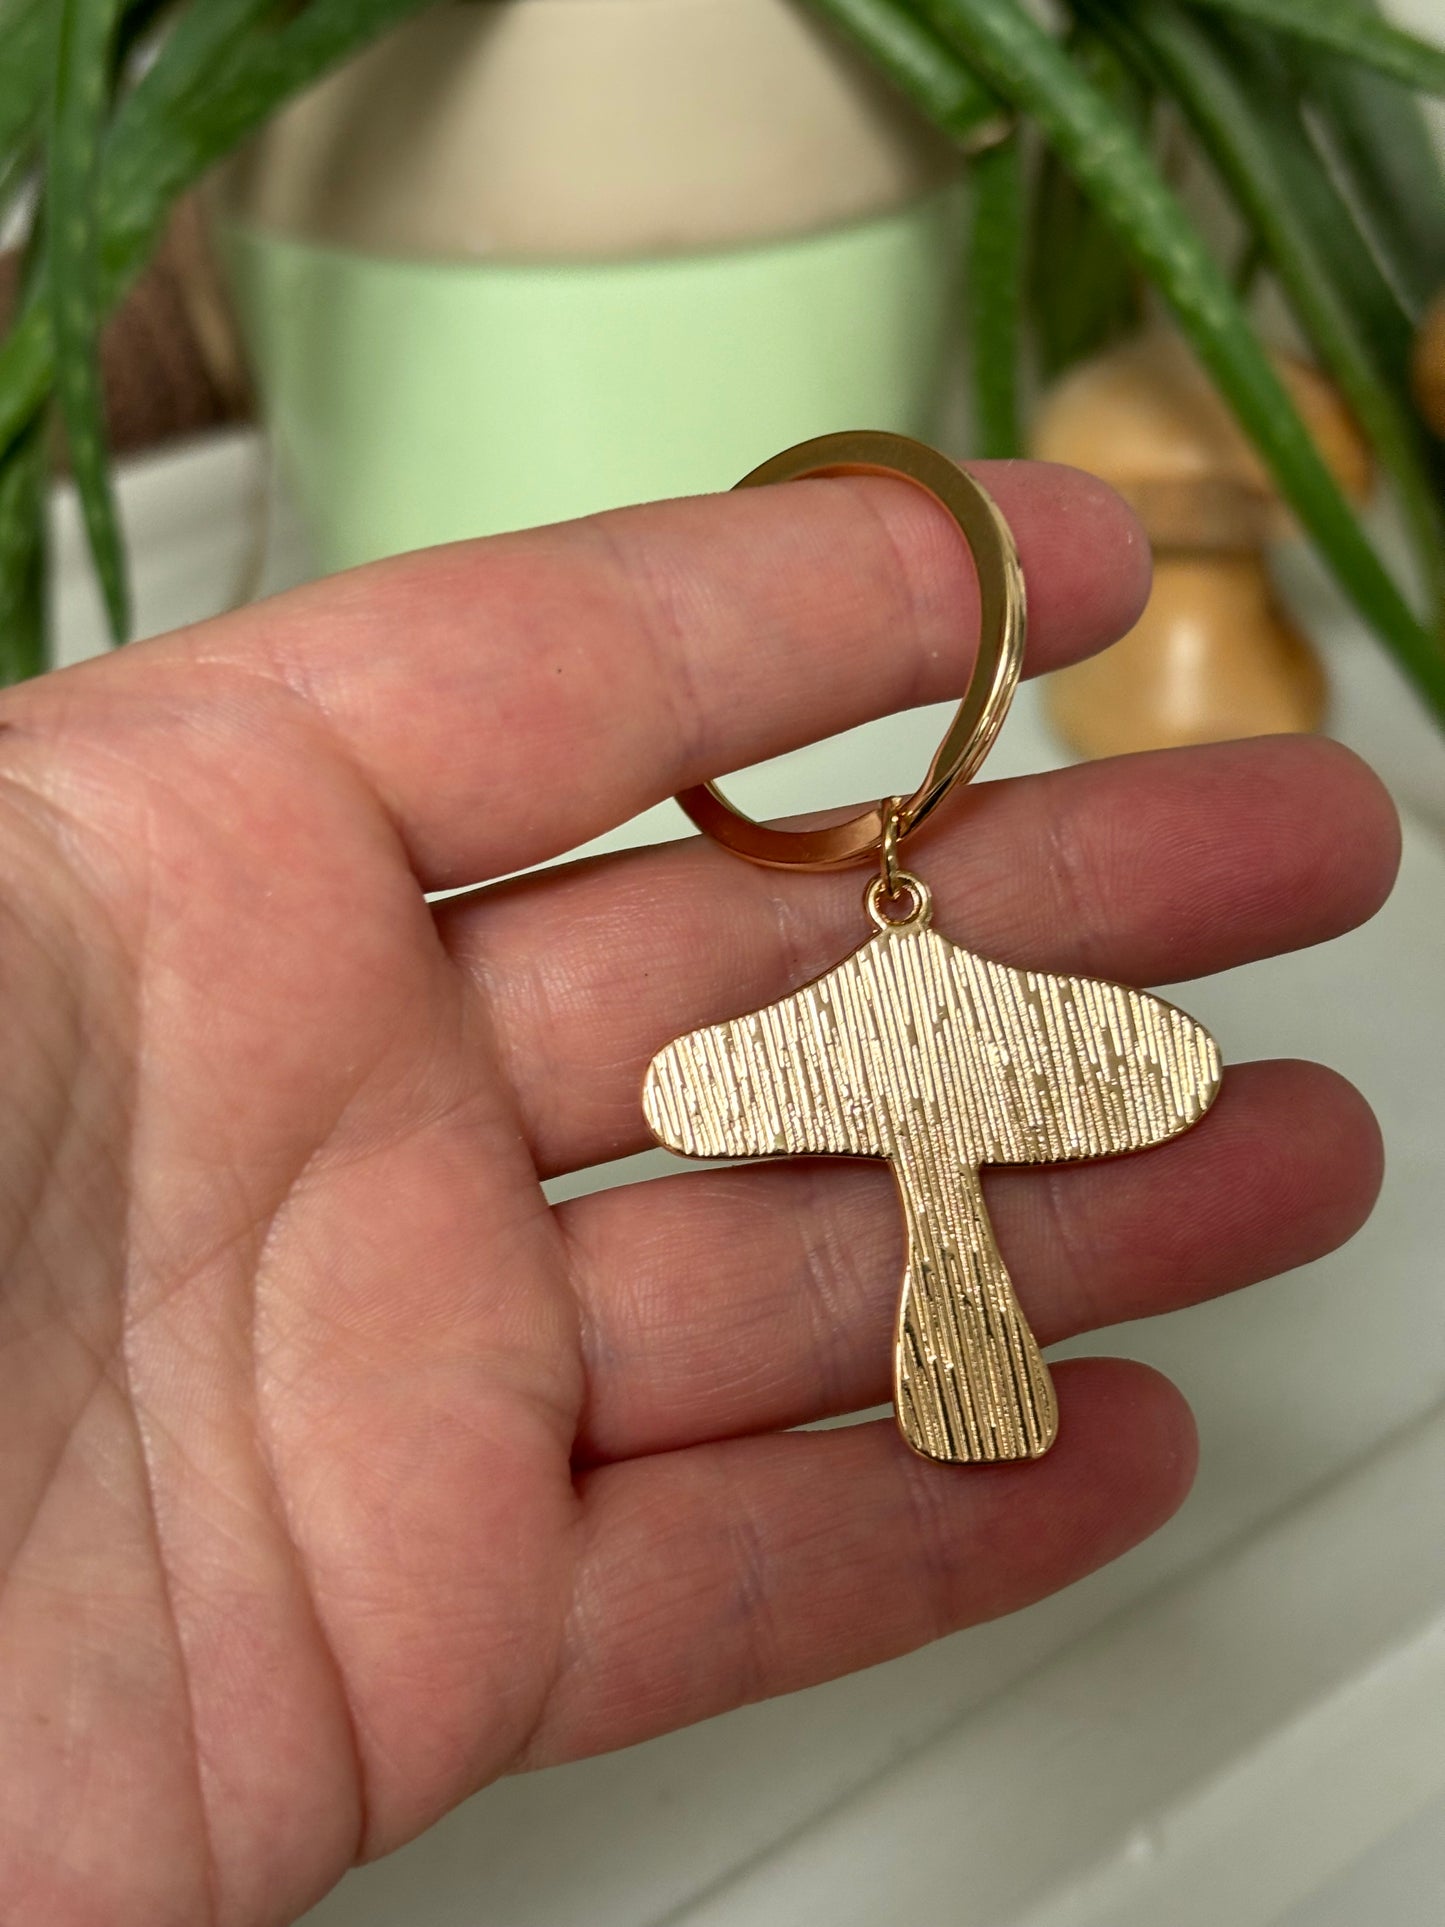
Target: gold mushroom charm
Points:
(1214, 655)
(918, 1052)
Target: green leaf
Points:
(1285, 85)
(173, 128)
(1267, 72)
(153, 152)
(1346, 27)
(1307, 233)
(236, 74)
(84, 43)
(27, 362)
(1083, 286)
(25, 43)
(23, 476)
(995, 296)
(921, 64)
(1384, 325)
(1379, 138)
(166, 135)
(1027, 67)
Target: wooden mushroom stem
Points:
(1214, 655)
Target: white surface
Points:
(1206, 1732)
(1400, 1882)
(1313, 1698)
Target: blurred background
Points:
(354, 276)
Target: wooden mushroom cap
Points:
(1145, 417)
(1428, 366)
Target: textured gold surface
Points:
(916, 1051)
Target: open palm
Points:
(341, 1474)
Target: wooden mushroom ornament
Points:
(1214, 655)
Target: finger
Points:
(509, 698)
(750, 1299)
(1150, 869)
(729, 1573)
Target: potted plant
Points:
(1302, 112)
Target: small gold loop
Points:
(991, 684)
(919, 912)
(888, 867)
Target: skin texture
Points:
(341, 1475)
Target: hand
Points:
(341, 1474)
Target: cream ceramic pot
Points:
(528, 258)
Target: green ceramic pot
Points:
(525, 262)
(416, 402)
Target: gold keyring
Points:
(991, 684)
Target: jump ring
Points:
(920, 902)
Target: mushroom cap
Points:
(1146, 418)
(1428, 365)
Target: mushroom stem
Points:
(1213, 657)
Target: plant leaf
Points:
(918, 62)
(1083, 287)
(1278, 186)
(152, 142)
(167, 136)
(23, 476)
(205, 37)
(1288, 86)
(27, 362)
(1026, 66)
(163, 138)
(1346, 27)
(84, 42)
(25, 42)
(163, 143)
(1263, 70)
(1383, 322)
(1378, 137)
(995, 296)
